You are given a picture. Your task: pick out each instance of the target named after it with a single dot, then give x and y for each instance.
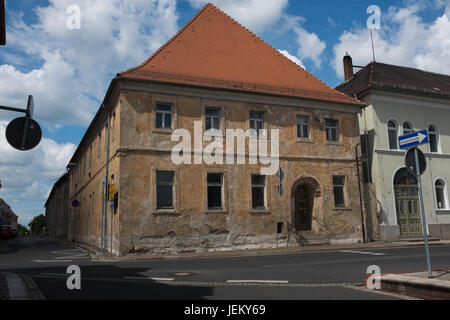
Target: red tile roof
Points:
(214, 50)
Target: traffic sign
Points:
(23, 133)
(75, 203)
(413, 139)
(410, 161)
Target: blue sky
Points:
(68, 71)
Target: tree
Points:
(37, 225)
(21, 230)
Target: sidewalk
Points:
(97, 254)
(16, 287)
(418, 285)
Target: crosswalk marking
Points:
(364, 252)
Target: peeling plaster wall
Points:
(190, 226)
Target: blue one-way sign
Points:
(413, 139)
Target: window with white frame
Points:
(433, 136)
(258, 191)
(214, 185)
(441, 199)
(407, 128)
(212, 119)
(331, 127)
(392, 134)
(164, 189)
(302, 127)
(163, 116)
(256, 121)
(339, 191)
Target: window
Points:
(214, 181)
(163, 116)
(302, 126)
(407, 128)
(440, 194)
(331, 127)
(164, 189)
(392, 133)
(258, 187)
(338, 189)
(256, 121)
(212, 119)
(433, 137)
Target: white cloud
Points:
(72, 68)
(403, 40)
(291, 57)
(28, 175)
(310, 46)
(256, 15)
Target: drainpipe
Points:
(105, 196)
(360, 196)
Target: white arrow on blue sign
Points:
(413, 139)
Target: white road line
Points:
(45, 261)
(148, 278)
(257, 281)
(364, 252)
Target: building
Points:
(57, 211)
(212, 76)
(7, 216)
(401, 100)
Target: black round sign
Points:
(23, 133)
(410, 161)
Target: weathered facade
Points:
(57, 213)
(401, 100)
(215, 74)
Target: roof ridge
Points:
(309, 74)
(167, 42)
(417, 69)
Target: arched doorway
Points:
(407, 204)
(303, 193)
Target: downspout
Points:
(106, 179)
(360, 195)
(105, 194)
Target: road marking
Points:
(46, 261)
(364, 252)
(149, 278)
(257, 281)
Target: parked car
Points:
(7, 232)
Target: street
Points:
(327, 275)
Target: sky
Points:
(67, 66)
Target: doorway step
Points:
(308, 238)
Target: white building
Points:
(401, 100)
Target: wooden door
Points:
(303, 214)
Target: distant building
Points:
(7, 215)
(133, 197)
(57, 211)
(401, 100)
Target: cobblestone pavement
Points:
(3, 287)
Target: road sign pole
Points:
(275, 191)
(422, 210)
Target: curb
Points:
(22, 288)
(106, 257)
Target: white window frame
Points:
(396, 133)
(436, 133)
(301, 125)
(164, 113)
(445, 192)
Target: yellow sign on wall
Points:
(111, 192)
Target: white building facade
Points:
(400, 101)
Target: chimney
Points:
(348, 66)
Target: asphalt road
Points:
(325, 275)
